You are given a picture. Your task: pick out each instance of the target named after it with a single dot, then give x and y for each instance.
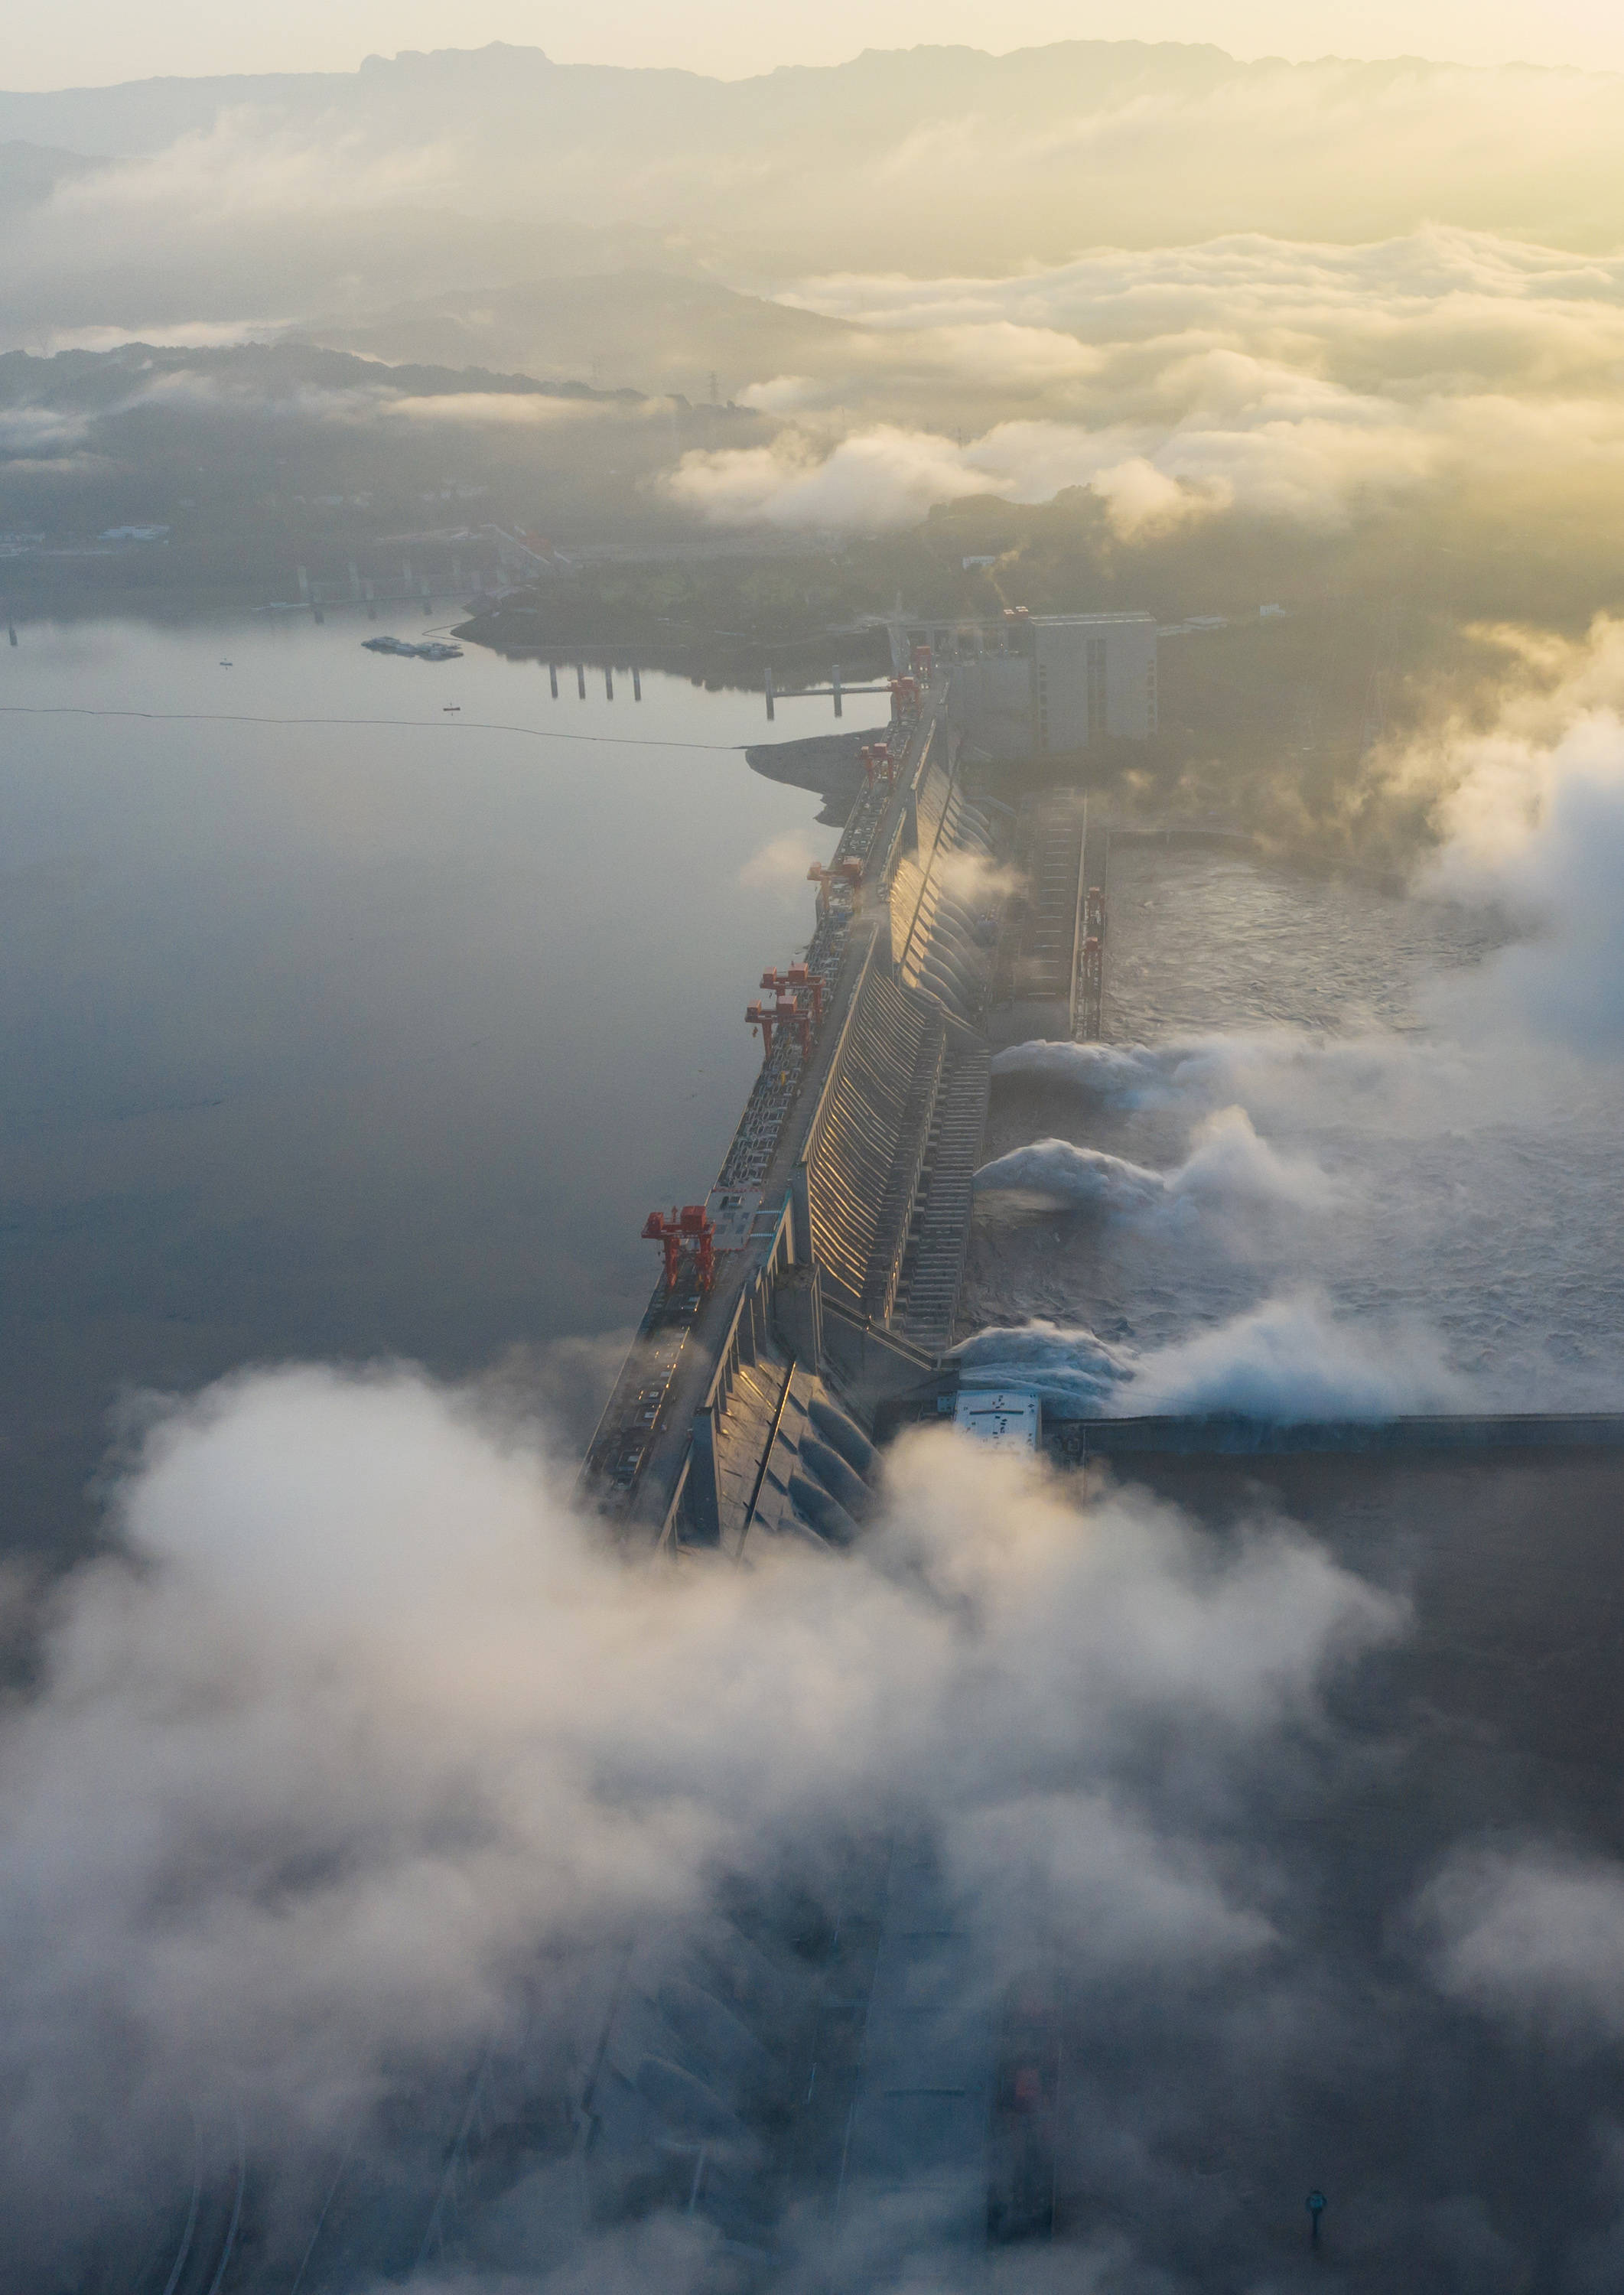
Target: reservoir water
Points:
(355, 1039)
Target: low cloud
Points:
(41, 432)
(887, 477)
(1534, 1936)
(780, 862)
(162, 334)
(507, 409)
(1527, 812)
(1309, 384)
(365, 1738)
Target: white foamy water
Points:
(1297, 1179)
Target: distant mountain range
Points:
(654, 229)
(653, 331)
(934, 160)
(258, 453)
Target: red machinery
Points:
(923, 663)
(877, 760)
(904, 696)
(800, 982)
(783, 1012)
(688, 1235)
(847, 872)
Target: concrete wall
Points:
(1083, 677)
(992, 700)
(1095, 674)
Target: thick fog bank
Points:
(356, 1761)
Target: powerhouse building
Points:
(1030, 685)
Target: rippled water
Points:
(1203, 940)
(346, 1039)
(1470, 1227)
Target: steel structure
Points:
(689, 1240)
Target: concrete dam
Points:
(781, 2069)
(816, 1284)
(821, 1272)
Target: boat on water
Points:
(430, 650)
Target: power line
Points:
(397, 724)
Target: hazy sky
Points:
(79, 42)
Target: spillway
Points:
(839, 1218)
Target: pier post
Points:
(608, 681)
(580, 681)
(703, 1492)
(552, 678)
(10, 626)
(637, 682)
(797, 1305)
(834, 681)
(769, 688)
(800, 1215)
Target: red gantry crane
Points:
(801, 982)
(877, 760)
(847, 872)
(784, 1012)
(687, 1235)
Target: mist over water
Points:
(1319, 1128)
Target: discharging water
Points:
(1326, 1187)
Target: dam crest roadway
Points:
(822, 1270)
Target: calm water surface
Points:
(353, 1040)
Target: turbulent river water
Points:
(350, 1039)
(1313, 1169)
